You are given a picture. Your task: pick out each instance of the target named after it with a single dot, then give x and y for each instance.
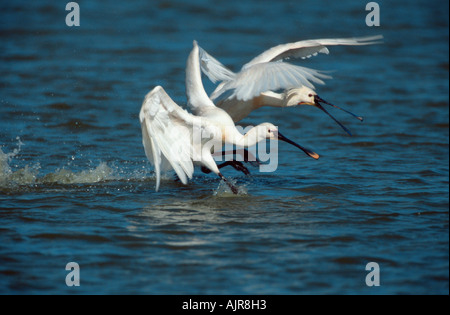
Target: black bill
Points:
(318, 104)
(307, 151)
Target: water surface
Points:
(75, 184)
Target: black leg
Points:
(257, 162)
(236, 164)
(205, 170)
(232, 187)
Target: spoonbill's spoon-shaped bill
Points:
(317, 103)
(308, 152)
(317, 99)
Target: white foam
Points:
(224, 190)
(63, 176)
(10, 177)
(27, 175)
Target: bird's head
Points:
(300, 96)
(267, 131)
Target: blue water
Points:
(75, 185)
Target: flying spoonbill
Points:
(168, 131)
(253, 87)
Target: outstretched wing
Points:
(307, 48)
(267, 72)
(269, 76)
(167, 135)
(213, 68)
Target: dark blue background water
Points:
(75, 184)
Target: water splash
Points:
(29, 174)
(224, 191)
(9, 177)
(5, 158)
(63, 176)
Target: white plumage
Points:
(175, 139)
(255, 84)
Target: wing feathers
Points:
(167, 135)
(267, 72)
(270, 76)
(307, 48)
(213, 68)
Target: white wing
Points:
(266, 72)
(213, 68)
(269, 76)
(197, 99)
(307, 48)
(167, 135)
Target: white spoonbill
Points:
(168, 131)
(253, 87)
